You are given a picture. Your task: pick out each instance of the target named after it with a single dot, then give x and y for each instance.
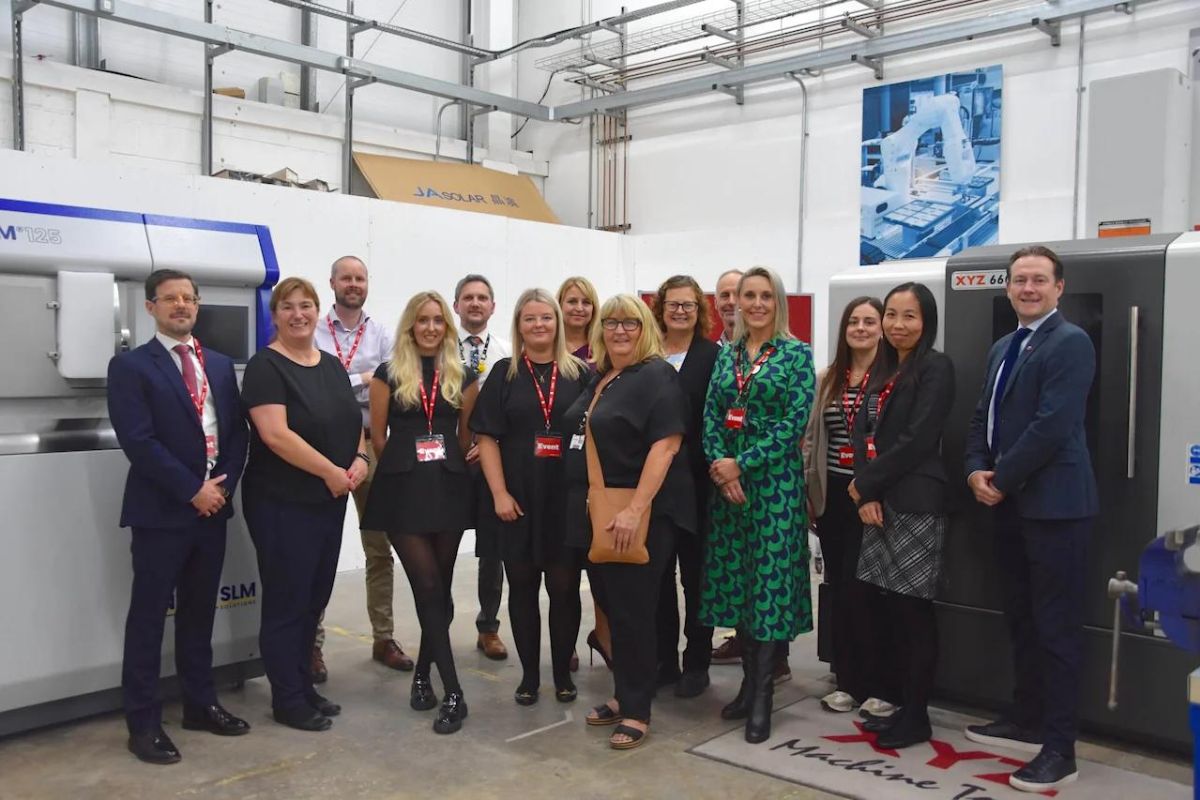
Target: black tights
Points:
(428, 561)
(915, 620)
(524, 587)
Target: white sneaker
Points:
(838, 702)
(877, 708)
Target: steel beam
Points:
(308, 77)
(859, 28)
(718, 61)
(86, 52)
(1051, 29)
(603, 62)
(889, 44)
(713, 30)
(873, 64)
(18, 78)
(196, 30)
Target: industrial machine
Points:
(71, 296)
(1135, 298)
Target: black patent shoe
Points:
(214, 719)
(304, 719)
(452, 713)
(1048, 770)
(154, 747)
(422, 697)
(324, 705)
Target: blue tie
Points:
(1010, 359)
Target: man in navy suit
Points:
(175, 407)
(1027, 458)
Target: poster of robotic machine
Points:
(930, 182)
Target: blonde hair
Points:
(782, 329)
(649, 345)
(570, 366)
(404, 368)
(585, 286)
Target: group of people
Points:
(723, 453)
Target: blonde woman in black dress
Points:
(420, 403)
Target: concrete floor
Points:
(380, 748)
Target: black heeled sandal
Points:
(594, 646)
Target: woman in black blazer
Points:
(683, 317)
(900, 488)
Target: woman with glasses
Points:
(637, 422)
(421, 399)
(756, 567)
(520, 424)
(682, 315)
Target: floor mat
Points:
(831, 752)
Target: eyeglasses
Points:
(673, 305)
(628, 325)
(176, 299)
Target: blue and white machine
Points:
(71, 296)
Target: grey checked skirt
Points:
(905, 555)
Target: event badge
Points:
(846, 455)
(431, 448)
(577, 441)
(871, 448)
(210, 447)
(547, 445)
(735, 418)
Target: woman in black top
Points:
(420, 402)
(522, 437)
(306, 455)
(849, 607)
(900, 488)
(637, 424)
(682, 314)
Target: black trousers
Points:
(913, 625)
(697, 654)
(1043, 564)
(491, 589)
(628, 594)
(860, 635)
(297, 545)
(185, 561)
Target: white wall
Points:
(714, 185)
(408, 248)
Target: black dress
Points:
(509, 412)
(411, 496)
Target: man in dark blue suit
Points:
(1027, 457)
(175, 407)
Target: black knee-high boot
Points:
(740, 707)
(758, 724)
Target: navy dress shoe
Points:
(214, 719)
(1003, 733)
(323, 705)
(154, 747)
(1048, 770)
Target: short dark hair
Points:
(473, 278)
(162, 275)
(1036, 250)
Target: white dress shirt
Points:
(491, 350)
(374, 349)
(208, 420)
(1033, 326)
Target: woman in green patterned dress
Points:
(756, 568)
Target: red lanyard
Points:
(198, 402)
(547, 407)
(338, 346)
(883, 396)
(428, 401)
(743, 382)
(850, 413)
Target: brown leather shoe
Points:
(388, 653)
(491, 646)
(730, 651)
(318, 671)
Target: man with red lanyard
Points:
(361, 344)
(176, 410)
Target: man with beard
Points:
(361, 344)
(175, 408)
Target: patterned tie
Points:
(189, 369)
(475, 343)
(1010, 359)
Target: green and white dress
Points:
(756, 562)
